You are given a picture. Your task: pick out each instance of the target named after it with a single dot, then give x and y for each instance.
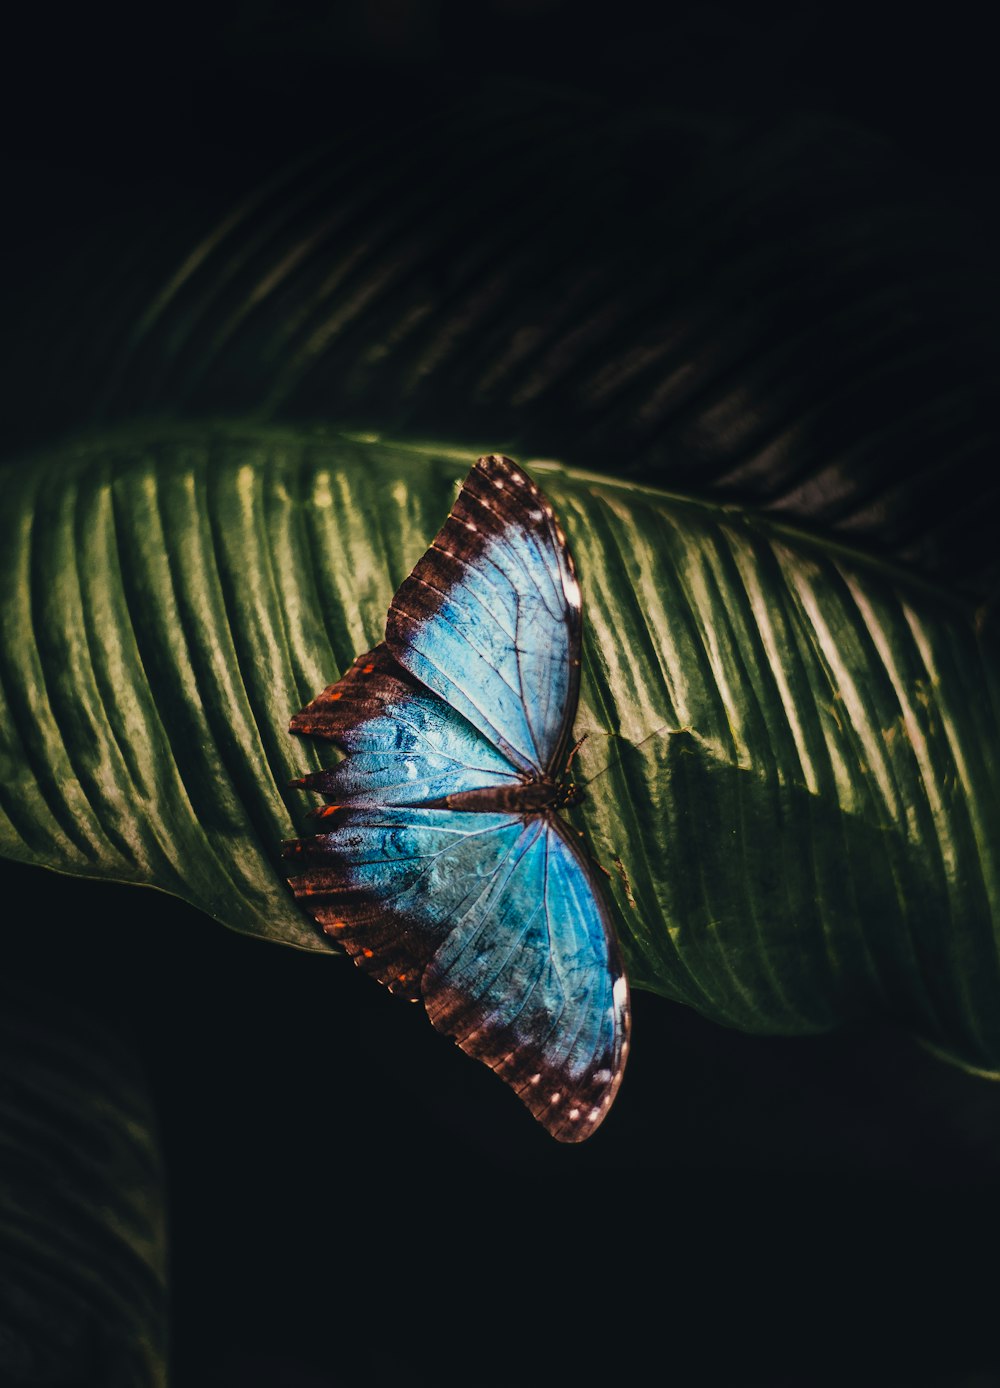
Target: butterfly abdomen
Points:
(527, 797)
(493, 918)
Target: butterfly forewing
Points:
(492, 920)
(488, 912)
(490, 617)
(530, 983)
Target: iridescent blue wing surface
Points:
(493, 920)
(490, 618)
(445, 870)
(405, 745)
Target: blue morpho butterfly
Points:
(446, 871)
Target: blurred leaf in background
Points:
(83, 1262)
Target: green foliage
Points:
(83, 1259)
(793, 747)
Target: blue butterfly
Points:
(446, 870)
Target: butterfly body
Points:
(445, 868)
(529, 796)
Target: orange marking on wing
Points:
(367, 953)
(368, 669)
(337, 695)
(327, 811)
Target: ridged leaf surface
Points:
(791, 751)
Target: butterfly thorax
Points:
(525, 797)
(494, 920)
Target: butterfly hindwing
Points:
(406, 745)
(444, 869)
(491, 919)
(490, 618)
(387, 884)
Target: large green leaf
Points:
(793, 748)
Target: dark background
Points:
(352, 1200)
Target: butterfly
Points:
(444, 868)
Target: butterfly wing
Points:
(490, 617)
(405, 745)
(492, 918)
(533, 986)
(494, 921)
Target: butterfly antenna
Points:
(576, 747)
(663, 728)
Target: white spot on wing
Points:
(571, 588)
